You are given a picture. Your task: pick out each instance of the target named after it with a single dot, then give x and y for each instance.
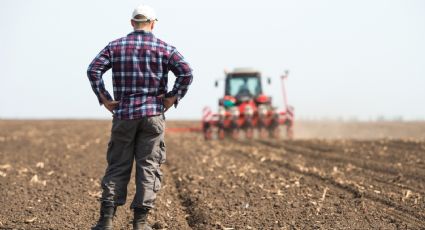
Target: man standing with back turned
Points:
(140, 63)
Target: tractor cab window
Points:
(244, 86)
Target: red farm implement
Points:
(245, 109)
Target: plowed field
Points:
(333, 176)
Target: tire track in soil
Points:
(417, 221)
(323, 156)
(396, 179)
(414, 222)
(370, 147)
(408, 152)
(193, 215)
(231, 155)
(359, 194)
(377, 172)
(169, 213)
(385, 150)
(380, 167)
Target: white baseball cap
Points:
(146, 11)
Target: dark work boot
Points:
(140, 221)
(107, 214)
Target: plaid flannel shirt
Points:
(140, 64)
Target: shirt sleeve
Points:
(100, 64)
(183, 73)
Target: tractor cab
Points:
(241, 86)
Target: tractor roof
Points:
(244, 70)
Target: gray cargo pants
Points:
(141, 140)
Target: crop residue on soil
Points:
(50, 173)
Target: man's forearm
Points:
(99, 88)
(180, 87)
(100, 64)
(103, 98)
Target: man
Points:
(140, 63)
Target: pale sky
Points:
(346, 58)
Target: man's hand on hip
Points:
(109, 105)
(168, 102)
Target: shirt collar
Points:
(143, 32)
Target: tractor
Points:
(245, 109)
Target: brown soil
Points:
(50, 173)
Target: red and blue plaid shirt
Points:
(140, 64)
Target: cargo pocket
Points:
(156, 124)
(158, 180)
